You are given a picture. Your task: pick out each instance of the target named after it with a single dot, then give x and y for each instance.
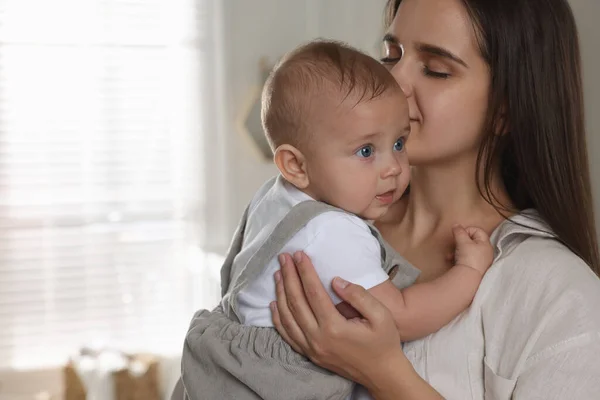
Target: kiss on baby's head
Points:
(337, 121)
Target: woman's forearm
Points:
(399, 381)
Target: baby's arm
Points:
(343, 246)
(424, 308)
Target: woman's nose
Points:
(401, 73)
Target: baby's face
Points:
(357, 159)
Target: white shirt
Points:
(337, 243)
(532, 331)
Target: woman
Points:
(496, 110)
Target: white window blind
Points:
(101, 175)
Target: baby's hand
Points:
(473, 248)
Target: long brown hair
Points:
(536, 97)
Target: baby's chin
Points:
(376, 215)
(393, 213)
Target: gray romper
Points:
(223, 359)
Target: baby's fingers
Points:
(461, 236)
(478, 235)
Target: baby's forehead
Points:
(348, 119)
(333, 118)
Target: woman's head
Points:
(499, 82)
(444, 78)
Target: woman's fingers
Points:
(281, 329)
(295, 319)
(358, 297)
(318, 298)
(297, 303)
(286, 323)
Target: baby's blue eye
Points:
(365, 151)
(399, 145)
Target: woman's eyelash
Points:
(426, 70)
(434, 74)
(389, 59)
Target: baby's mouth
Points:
(387, 197)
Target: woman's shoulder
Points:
(538, 293)
(542, 271)
(527, 250)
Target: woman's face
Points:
(432, 51)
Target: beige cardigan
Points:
(532, 331)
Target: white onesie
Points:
(337, 243)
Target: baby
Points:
(338, 124)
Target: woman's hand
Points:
(304, 315)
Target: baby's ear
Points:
(292, 164)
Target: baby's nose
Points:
(392, 168)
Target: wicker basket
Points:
(128, 385)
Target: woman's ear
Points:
(502, 126)
(292, 164)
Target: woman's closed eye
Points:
(392, 53)
(436, 69)
(427, 71)
(389, 60)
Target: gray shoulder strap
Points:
(401, 272)
(234, 248)
(238, 240)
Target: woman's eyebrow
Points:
(441, 52)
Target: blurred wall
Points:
(587, 14)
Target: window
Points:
(102, 175)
